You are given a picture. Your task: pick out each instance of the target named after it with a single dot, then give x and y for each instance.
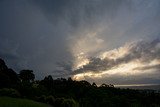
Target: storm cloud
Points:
(67, 37)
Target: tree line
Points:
(63, 92)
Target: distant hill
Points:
(139, 86)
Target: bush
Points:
(50, 100)
(42, 99)
(9, 92)
(62, 102)
(69, 103)
(46, 99)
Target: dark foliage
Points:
(8, 77)
(26, 75)
(9, 92)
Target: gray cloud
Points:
(145, 52)
(36, 34)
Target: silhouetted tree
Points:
(3, 66)
(26, 86)
(8, 77)
(94, 84)
(47, 82)
(111, 85)
(104, 85)
(4, 78)
(70, 79)
(26, 75)
(13, 76)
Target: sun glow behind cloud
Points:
(85, 45)
(130, 60)
(116, 53)
(122, 69)
(81, 60)
(128, 69)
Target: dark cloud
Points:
(36, 34)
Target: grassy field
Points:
(14, 102)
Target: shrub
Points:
(42, 99)
(69, 103)
(9, 92)
(62, 102)
(50, 100)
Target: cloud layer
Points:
(38, 34)
(133, 59)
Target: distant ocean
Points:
(140, 86)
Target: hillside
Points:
(16, 102)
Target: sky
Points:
(102, 41)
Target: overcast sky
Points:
(85, 39)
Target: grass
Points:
(15, 102)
